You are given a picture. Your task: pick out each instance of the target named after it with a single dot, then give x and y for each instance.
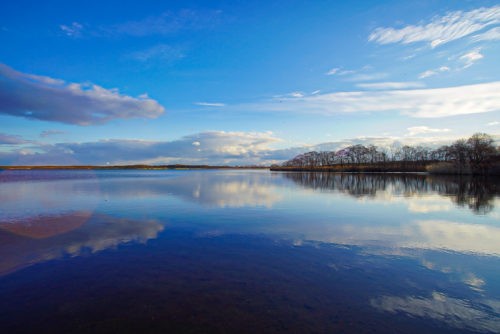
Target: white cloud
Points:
(471, 57)
(210, 104)
(296, 94)
(425, 103)
(333, 71)
(416, 130)
(219, 147)
(48, 99)
(490, 35)
(426, 74)
(493, 123)
(390, 85)
(441, 29)
(340, 72)
(72, 30)
(430, 73)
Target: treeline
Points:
(475, 155)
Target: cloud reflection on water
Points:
(423, 234)
(226, 190)
(209, 188)
(454, 312)
(23, 243)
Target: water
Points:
(228, 251)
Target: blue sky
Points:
(238, 82)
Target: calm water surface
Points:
(247, 251)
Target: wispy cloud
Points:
(49, 133)
(337, 71)
(72, 30)
(441, 29)
(494, 123)
(6, 139)
(333, 71)
(430, 73)
(210, 104)
(471, 57)
(391, 85)
(490, 35)
(296, 94)
(166, 23)
(160, 52)
(48, 99)
(418, 130)
(362, 74)
(340, 72)
(357, 77)
(426, 103)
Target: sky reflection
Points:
(418, 247)
(454, 312)
(43, 238)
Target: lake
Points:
(248, 251)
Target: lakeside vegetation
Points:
(475, 155)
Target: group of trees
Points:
(475, 154)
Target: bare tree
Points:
(476, 154)
(481, 149)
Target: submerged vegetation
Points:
(475, 155)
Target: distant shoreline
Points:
(131, 167)
(387, 168)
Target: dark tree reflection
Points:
(476, 193)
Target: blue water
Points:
(224, 251)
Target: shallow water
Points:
(247, 251)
